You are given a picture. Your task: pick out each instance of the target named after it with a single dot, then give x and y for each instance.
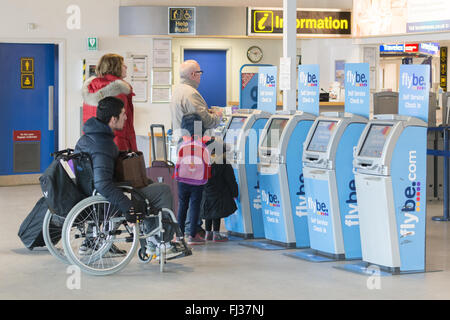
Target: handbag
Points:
(130, 168)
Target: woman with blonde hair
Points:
(110, 71)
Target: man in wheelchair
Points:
(98, 142)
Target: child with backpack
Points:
(192, 172)
(218, 196)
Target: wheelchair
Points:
(96, 225)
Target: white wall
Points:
(100, 19)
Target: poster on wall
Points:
(139, 66)
(139, 89)
(267, 89)
(357, 89)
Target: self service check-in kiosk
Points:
(241, 138)
(281, 178)
(390, 174)
(329, 184)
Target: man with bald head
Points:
(186, 99)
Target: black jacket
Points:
(219, 193)
(98, 141)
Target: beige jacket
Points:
(186, 99)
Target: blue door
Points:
(28, 120)
(213, 86)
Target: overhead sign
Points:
(264, 21)
(414, 90)
(181, 21)
(357, 89)
(267, 89)
(411, 47)
(392, 48)
(430, 48)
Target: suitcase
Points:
(163, 170)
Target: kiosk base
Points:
(315, 256)
(239, 236)
(268, 245)
(374, 269)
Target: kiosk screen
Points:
(321, 137)
(273, 135)
(233, 130)
(375, 140)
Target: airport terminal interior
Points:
(335, 119)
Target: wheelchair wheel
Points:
(51, 232)
(97, 238)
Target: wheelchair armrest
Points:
(124, 184)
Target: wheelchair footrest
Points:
(184, 254)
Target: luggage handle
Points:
(153, 140)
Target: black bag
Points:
(60, 191)
(30, 231)
(84, 173)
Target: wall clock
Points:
(254, 54)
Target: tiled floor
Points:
(214, 271)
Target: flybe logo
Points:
(356, 79)
(321, 208)
(267, 80)
(412, 81)
(412, 200)
(308, 79)
(301, 208)
(352, 218)
(270, 199)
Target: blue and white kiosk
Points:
(241, 137)
(390, 165)
(328, 171)
(330, 186)
(281, 172)
(281, 178)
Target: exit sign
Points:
(92, 43)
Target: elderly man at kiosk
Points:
(186, 99)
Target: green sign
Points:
(92, 43)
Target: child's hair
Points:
(192, 121)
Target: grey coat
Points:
(186, 99)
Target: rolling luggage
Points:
(162, 170)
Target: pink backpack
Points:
(194, 162)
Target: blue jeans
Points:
(189, 197)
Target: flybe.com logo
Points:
(411, 209)
(356, 79)
(270, 199)
(267, 80)
(308, 79)
(412, 81)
